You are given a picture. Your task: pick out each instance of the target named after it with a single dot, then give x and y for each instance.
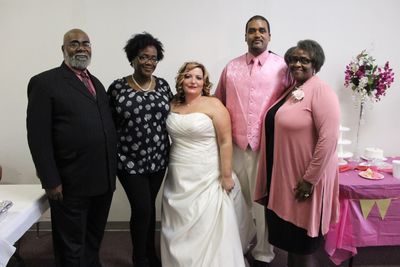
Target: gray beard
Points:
(77, 63)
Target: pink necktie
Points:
(255, 67)
(86, 82)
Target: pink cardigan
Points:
(306, 135)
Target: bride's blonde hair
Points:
(185, 68)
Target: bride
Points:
(199, 223)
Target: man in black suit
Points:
(72, 140)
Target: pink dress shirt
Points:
(247, 91)
(305, 139)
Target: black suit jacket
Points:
(71, 134)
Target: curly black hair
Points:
(315, 51)
(288, 54)
(139, 42)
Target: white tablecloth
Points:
(30, 203)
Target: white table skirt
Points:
(30, 203)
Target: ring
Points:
(306, 195)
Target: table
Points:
(369, 215)
(30, 203)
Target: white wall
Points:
(210, 31)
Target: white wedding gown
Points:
(199, 224)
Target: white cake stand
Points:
(342, 154)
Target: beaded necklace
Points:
(141, 88)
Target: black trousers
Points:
(141, 191)
(78, 227)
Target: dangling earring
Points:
(313, 72)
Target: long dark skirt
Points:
(289, 237)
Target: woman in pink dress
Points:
(298, 176)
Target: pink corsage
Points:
(298, 94)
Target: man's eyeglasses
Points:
(145, 59)
(302, 60)
(77, 44)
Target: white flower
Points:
(298, 94)
(354, 67)
(363, 82)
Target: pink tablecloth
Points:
(353, 230)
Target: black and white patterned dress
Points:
(140, 120)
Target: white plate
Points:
(344, 142)
(345, 155)
(379, 164)
(366, 158)
(383, 165)
(377, 176)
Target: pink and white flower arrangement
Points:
(367, 79)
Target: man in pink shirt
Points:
(248, 85)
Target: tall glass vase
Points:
(357, 152)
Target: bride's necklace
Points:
(141, 88)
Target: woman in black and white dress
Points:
(140, 105)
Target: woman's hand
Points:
(227, 183)
(303, 190)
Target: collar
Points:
(261, 58)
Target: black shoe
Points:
(257, 263)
